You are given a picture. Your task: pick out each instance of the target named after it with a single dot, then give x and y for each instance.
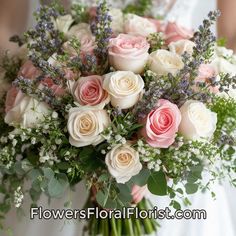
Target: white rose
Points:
(117, 23)
(163, 62)
(181, 46)
(79, 30)
(63, 23)
(27, 112)
(85, 125)
(139, 26)
(222, 65)
(123, 163)
(197, 121)
(22, 53)
(124, 87)
(222, 52)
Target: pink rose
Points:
(29, 71)
(162, 124)
(206, 72)
(176, 32)
(128, 53)
(88, 91)
(11, 98)
(57, 90)
(138, 193)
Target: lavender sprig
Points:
(202, 52)
(101, 28)
(44, 94)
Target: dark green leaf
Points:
(191, 188)
(157, 183)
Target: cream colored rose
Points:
(181, 46)
(26, 112)
(123, 163)
(85, 125)
(124, 87)
(139, 26)
(79, 30)
(198, 122)
(222, 52)
(163, 62)
(63, 23)
(221, 65)
(117, 23)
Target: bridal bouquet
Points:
(123, 101)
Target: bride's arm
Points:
(226, 23)
(13, 19)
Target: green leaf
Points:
(34, 174)
(58, 185)
(157, 183)
(125, 193)
(103, 177)
(48, 173)
(179, 190)
(110, 204)
(191, 188)
(18, 168)
(63, 165)
(102, 197)
(187, 202)
(195, 174)
(175, 204)
(35, 195)
(141, 178)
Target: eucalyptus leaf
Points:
(191, 188)
(141, 178)
(58, 185)
(157, 183)
(102, 197)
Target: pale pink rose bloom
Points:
(87, 45)
(128, 53)
(175, 32)
(138, 193)
(88, 91)
(57, 90)
(206, 72)
(162, 124)
(29, 71)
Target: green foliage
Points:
(226, 116)
(191, 188)
(156, 41)
(221, 42)
(79, 13)
(10, 66)
(140, 8)
(157, 183)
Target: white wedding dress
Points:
(221, 213)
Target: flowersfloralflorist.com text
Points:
(125, 212)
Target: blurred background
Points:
(16, 17)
